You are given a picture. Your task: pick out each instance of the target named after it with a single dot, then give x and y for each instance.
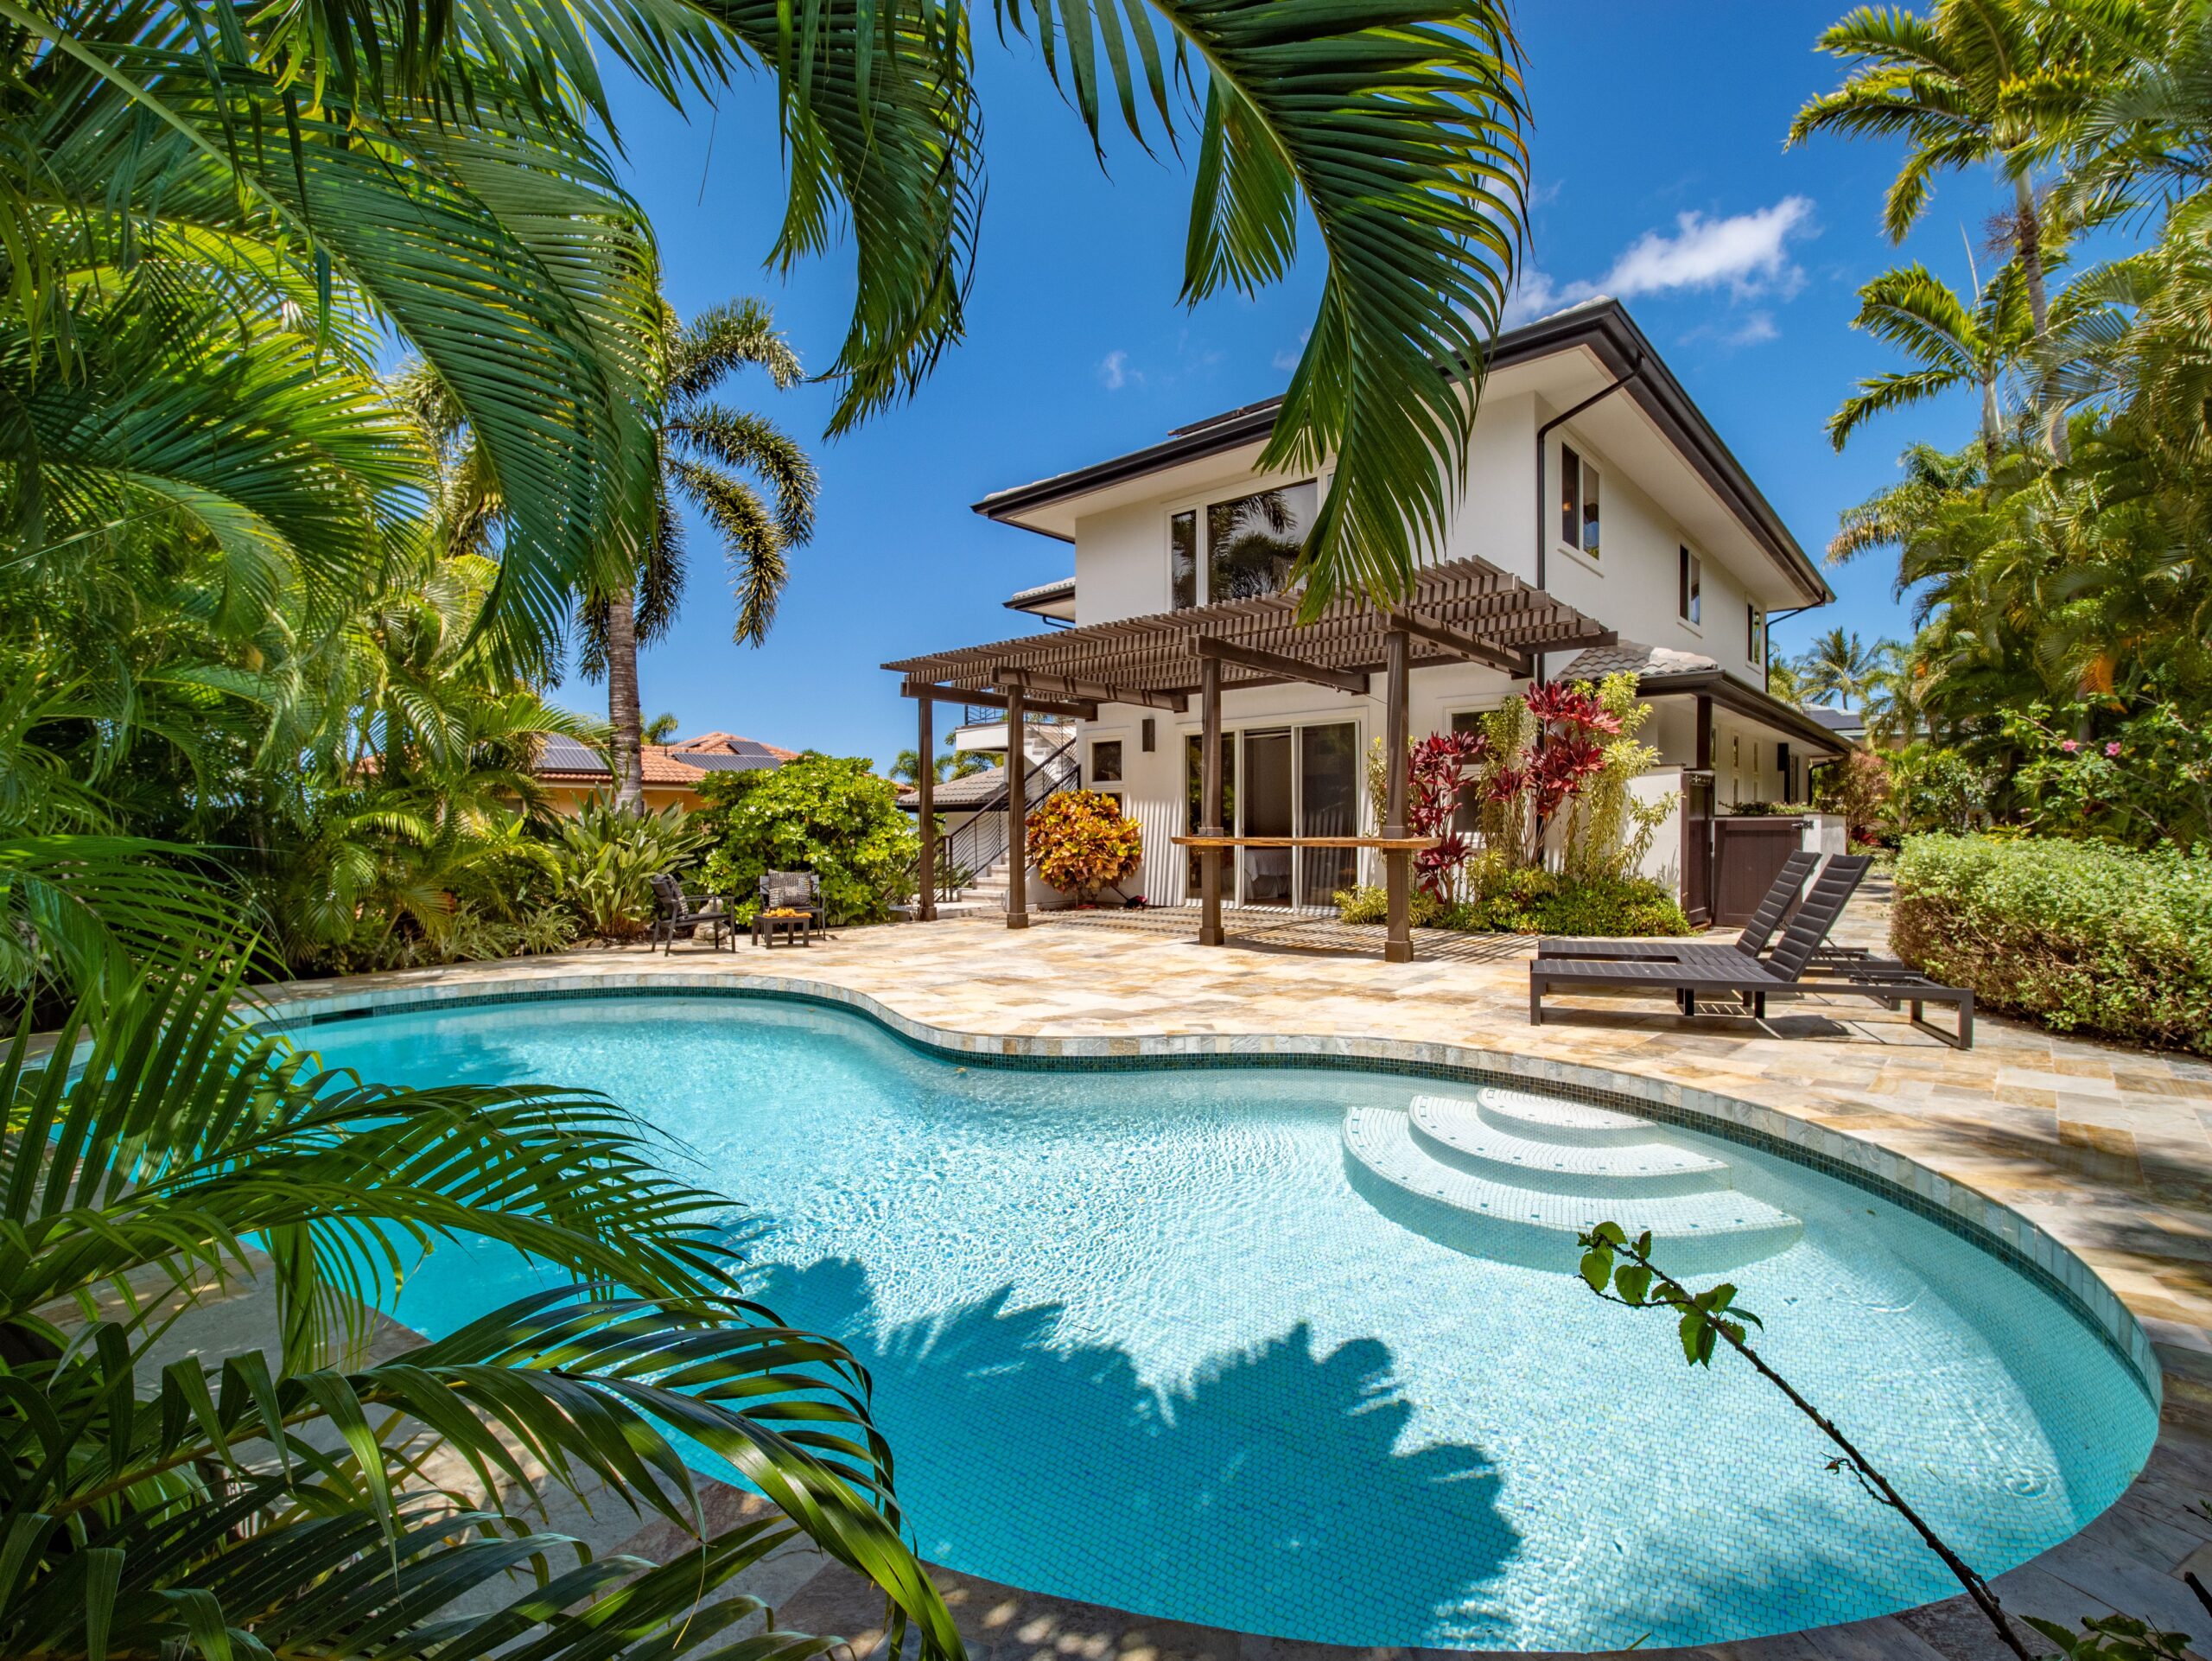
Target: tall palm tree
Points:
(1955, 344)
(701, 445)
(1837, 667)
(1971, 83)
(445, 163)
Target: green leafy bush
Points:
(2081, 936)
(826, 814)
(1521, 901)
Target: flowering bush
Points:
(2144, 780)
(1082, 844)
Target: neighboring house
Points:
(1590, 477)
(572, 773)
(1848, 725)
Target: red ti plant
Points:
(1434, 772)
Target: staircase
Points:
(1516, 1177)
(986, 894)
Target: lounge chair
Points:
(801, 890)
(1751, 942)
(1691, 971)
(682, 915)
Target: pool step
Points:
(1554, 1118)
(1515, 1215)
(1460, 1133)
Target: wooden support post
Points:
(1017, 814)
(1397, 871)
(1209, 859)
(925, 813)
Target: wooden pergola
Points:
(1458, 611)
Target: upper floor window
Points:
(1106, 761)
(1250, 545)
(1691, 603)
(1754, 633)
(1578, 502)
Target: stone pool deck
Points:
(2107, 1149)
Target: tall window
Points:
(1183, 559)
(1754, 633)
(1692, 602)
(1578, 502)
(1251, 543)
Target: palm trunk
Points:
(623, 711)
(2027, 240)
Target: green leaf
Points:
(1597, 1268)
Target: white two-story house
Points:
(1592, 476)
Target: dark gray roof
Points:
(1837, 721)
(726, 760)
(1598, 661)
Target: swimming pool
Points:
(1301, 1351)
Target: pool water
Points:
(1181, 1342)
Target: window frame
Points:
(1689, 594)
(1574, 516)
(1195, 508)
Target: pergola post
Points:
(925, 791)
(1017, 814)
(1209, 825)
(1397, 662)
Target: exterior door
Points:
(1194, 773)
(1328, 805)
(1697, 847)
(1269, 800)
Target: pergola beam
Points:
(1271, 663)
(1518, 664)
(1089, 691)
(1078, 711)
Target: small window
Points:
(1692, 602)
(1578, 502)
(1754, 633)
(1183, 559)
(1106, 761)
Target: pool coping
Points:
(2014, 1240)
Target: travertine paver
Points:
(2107, 1149)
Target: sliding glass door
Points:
(1284, 782)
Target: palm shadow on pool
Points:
(1270, 1495)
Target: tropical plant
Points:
(949, 764)
(702, 450)
(307, 1500)
(661, 729)
(1609, 830)
(1954, 345)
(829, 815)
(607, 858)
(1838, 669)
(1081, 844)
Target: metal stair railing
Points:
(980, 842)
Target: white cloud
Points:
(1114, 371)
(1746, 253)
(1758, 327)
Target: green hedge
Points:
(1537, 902)
(2082, 936)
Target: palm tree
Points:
(446, 167)
(1997, 82)
(1956, 346)
(949, 764)
(306, 1500)
(661, 729)
(1893, 514)
(1837, 668)
(700, 445)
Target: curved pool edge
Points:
(2019, 1244)
(1008, 1624)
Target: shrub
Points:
(1608, 830)
(1082, 844)
(1857, 787)
(606, 860)
(827, 814)
(1522, 902)
(2079, 935)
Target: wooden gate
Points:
(1697, 847)
(1746, 855)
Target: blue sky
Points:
(1660, 177)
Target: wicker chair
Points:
(798, 889)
